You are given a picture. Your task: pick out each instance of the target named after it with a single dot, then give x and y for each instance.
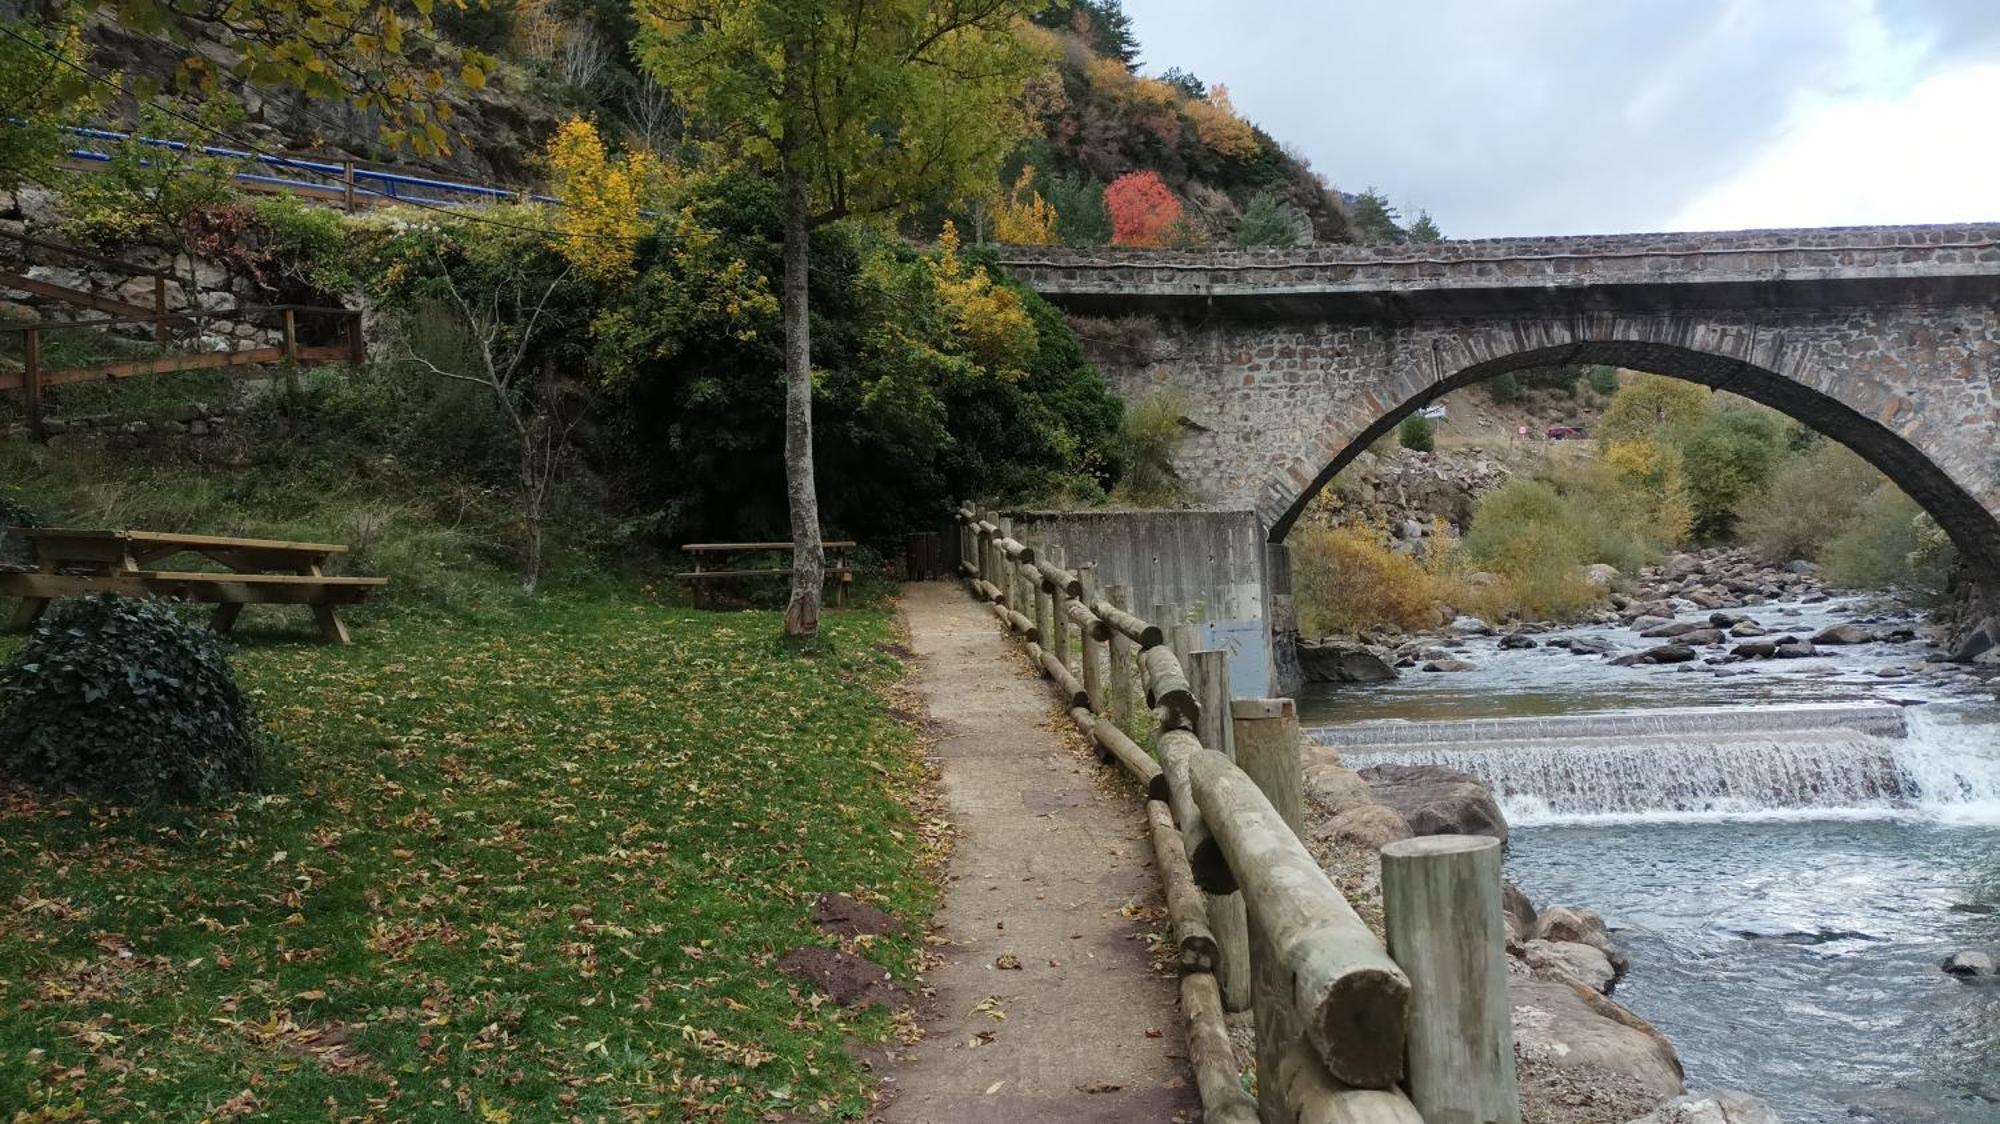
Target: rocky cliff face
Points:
(1408, 492)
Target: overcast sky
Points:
(1518, 117)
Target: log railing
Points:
(1343, 1029)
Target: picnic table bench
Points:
(75, 561)
(711, 564)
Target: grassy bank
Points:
(534, 865)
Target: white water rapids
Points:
(1703, 763)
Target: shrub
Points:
(1081, 219)
(1654, 406)
(1153, 431)
(1536, 543)
(1143, 211)
(1603, 380)
(1889, 542)
(1504, 388)
(1346, 579)
(1417, 433)
(1810, 501)
(121, 698)
(1730, 457)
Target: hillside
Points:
(1095, 117)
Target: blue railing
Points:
(368, 185)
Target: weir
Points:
(1805, 760)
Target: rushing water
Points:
(1786, 882)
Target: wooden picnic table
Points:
(711, 564)
(75, 561)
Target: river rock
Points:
(1329, 784)
(1451, 664)
(1591, 646)
(1515, 640)
(1665, 653)
(1746, 629)
(1435, 800)
(1645, 621)
(1340, 661)
(1726, 1106)
(1581, 962)
(1569, 1027)
(1727, 620)
(1600, 574)
(1369, 826)
(1794, 649)
(1580, 926)
(1669, 630)
(1518, 910)
(1700, 637)
(1970, 964)
(1469, 626)
(1843, 634)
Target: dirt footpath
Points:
(1046, 1007)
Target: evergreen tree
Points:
(1424, 229)
(1081, 217)
(1102, 24)
(1373, 219)
(1185, 82)
(1266, 223)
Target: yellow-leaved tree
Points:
(1021, 217)
(858, 109)
(600, 221)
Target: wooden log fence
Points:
(1342, 1028)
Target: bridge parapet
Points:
(1730, 269)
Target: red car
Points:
(1565, 432)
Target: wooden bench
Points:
(711, 564)
(76, 562)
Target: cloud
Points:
(1562, 116)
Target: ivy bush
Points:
(119, 697)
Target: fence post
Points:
(1266, 733)
(1121, 661)
(1044, 599)
(1006, 525)
(1208, 676)
(31, 380)
(1092, 648)
(1441, 914)
(1059, 610)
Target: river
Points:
(1786, 897)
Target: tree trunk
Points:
(808, 557)
(532, 488)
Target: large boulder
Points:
(1368, 826)
(1843, 634)
(1726, 1106)
(1580, 962)
(1340, 661)
(1570, 1028)
(1580, 926)
(1451, 664)
(1669, 630)
(1518, 910)
(1435, 800)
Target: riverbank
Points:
(1786, 895)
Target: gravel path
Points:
(1045, 910)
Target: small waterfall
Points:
(1778, 761)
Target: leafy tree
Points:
(1143, 211)
(1021, 217)
(1424, 230)
(1102, 24)
(1729, 458)
(599, 219)
(1417, 433)
(1185, 82)
(858, 109)
(1373, 219)
(1504, 388)
(1603, 379)
(1654, 405)
(374, 56)
(1081, 217)
(42, 89)
(1266, 223)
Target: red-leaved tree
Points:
(1142, 209)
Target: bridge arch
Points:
(1887, 339)
(1867, 416)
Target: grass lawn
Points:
(535, 867)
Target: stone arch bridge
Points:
(1292, 361)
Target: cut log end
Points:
(1211, 868)
(1358, 1029)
